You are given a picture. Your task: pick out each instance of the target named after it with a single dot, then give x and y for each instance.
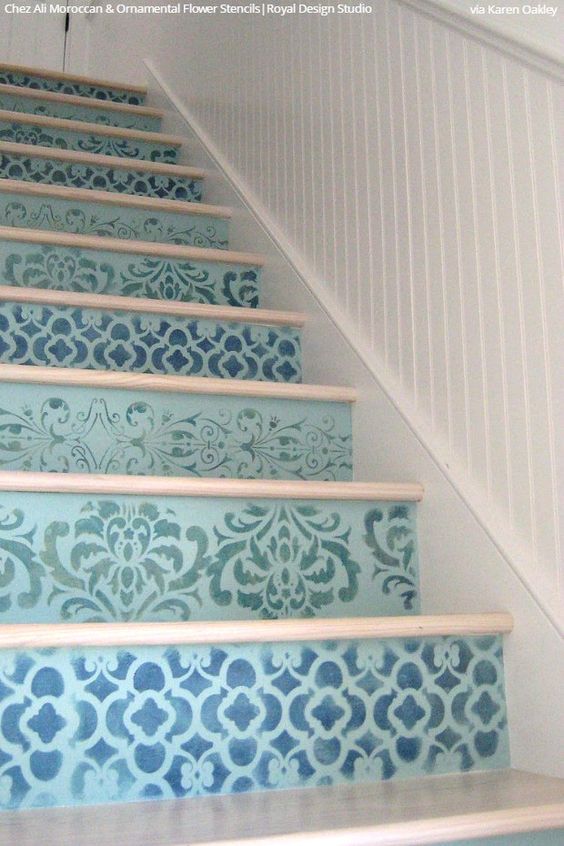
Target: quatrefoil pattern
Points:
(81, 727)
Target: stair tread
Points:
(111, 302)
(72, 77)
(71, 635)
(397, 813)
(91, 195)
(77, 100)
(22, 480)
(32, 374)
(138, 165)
(120, 245)
(86, 128)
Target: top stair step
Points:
(18, 99)
(70, 83)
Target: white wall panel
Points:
(34, 39)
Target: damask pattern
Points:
(147, 343)
(69, 558)
(97, 272)
(61, 86)
(46, 136)
(79, 727)
(53, 172)
(70, 111)
(55, 214)
(88, 431)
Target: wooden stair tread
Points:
(75, 377)
(133, 247)
(114, 198)
(116, 162)
(72, 77)
(71, 635)
(86, 128)
(397, 813)
(77, 100)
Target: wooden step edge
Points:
(27, 374)
(86, 128)
(76, 100)
(120, 245)
(112, 302)
(112, 198)
(72, 77)
(533, 818)
(115, 162)
(72, 635)
(91, 483)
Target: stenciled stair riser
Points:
(83, 727)
(85, 430)
(60, 215)
(61, 336)
(109, 117)
(47, 136)
(85, 558)
(65, 86)
(128, 274)
(33, 168)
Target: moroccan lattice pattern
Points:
(53, 172)
(80, 89)
(69, 558)
(47, 136)
(96, 272)
(70, 111)
(60, 215)
(86, 726)
(147, 343)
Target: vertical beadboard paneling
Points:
(414, 168)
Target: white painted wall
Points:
(36, 39)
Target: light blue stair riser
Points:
(129, 275)
(86, 430)
(131, 224)
(84, 558)
(47, 136)
(93, 726)
(30, 168)
(59, 336)
(78, 89)
(84, 112)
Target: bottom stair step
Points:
(90, 714)
(470, 808)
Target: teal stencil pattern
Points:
(80, 430)
(46, 136)
(147, 343)
(70, 111)
(59, 215)
(98, 272)
(54, 172)
(67, 558)
(79, 89)
(80, 727)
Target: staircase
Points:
(197, 600)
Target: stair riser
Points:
(32, 168)
(79, 89)
(132, 224)
(147, 343)
(85, 558)
(70, 111)
(85, 430)
(85, 727)
(96, 272)
(46, 136)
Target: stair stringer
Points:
(475, 575)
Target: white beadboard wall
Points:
(413, 167)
